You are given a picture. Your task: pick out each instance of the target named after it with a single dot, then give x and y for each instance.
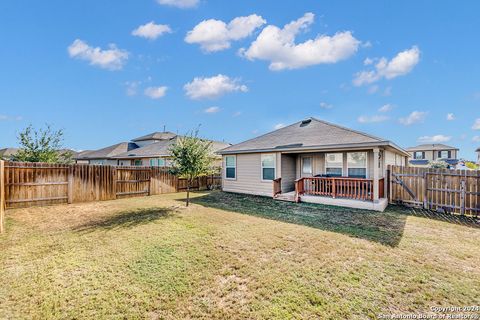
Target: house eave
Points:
(320, 148)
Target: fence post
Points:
(462, 197)
(2, 196)
(70, 185)
(114, 181)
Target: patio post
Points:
(376, 173)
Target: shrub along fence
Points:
(34, 184)
(450, 191)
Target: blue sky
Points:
(90, 68)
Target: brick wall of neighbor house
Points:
(248, 179)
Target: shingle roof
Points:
(8, 152)
(308, 134)
(429, 147)
(162, 149)
(156, 136)
(478, 150)
(108, 152)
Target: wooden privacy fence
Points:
(33, 184)
(452, 191)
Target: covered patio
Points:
(350, 178)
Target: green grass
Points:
(232, 256)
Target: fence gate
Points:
(133, 181)
(451, 191)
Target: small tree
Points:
(192, 158)
(42, 145)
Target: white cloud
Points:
(414, 117)
(386, 108)
(215, 35)
(325, 105)
(400, 65)
(155, 92)
(212, 87)
(367, 61)
(4, 117)
(237, 113)
(372, 119)
(132, 88)
(434, 139)
(450, 117)
(183, 4)
(151, 30)
(212, 110)
(111, 59)
(278, 46)
(476, 139)
(476, 124)
(279, 126)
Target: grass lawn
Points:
(231, 256)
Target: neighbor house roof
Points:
(310, 134)
(431, 147)
(162, 149)
(156, 136)
(478, 150)
(108, 152)
(8, 152)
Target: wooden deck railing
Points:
(277, 186)
(338, 187)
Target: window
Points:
(334, 164)
(418, 155)
(307, 165)
(138, 163)
(444, 154)
(157, 162)
(230, 167)
(357, 164)
(268, 166)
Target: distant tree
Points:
(42, 145)
(191, 158)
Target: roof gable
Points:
(304, 134)
(108, 152)
(431, 147)
(156, 136)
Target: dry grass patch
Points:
(231, 256)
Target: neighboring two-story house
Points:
(421, 155)
(478, 155)
(149, 150)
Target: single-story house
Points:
(421, 155)
(149, 150)
(313, 161)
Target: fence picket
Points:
(33, 184)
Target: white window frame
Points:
(234, 166)
(366, 163)
(440, 154)
(311, 165)
(274, 166)
(326, 162)
(422, 157)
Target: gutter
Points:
(322, 148)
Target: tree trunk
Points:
(188, 192)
